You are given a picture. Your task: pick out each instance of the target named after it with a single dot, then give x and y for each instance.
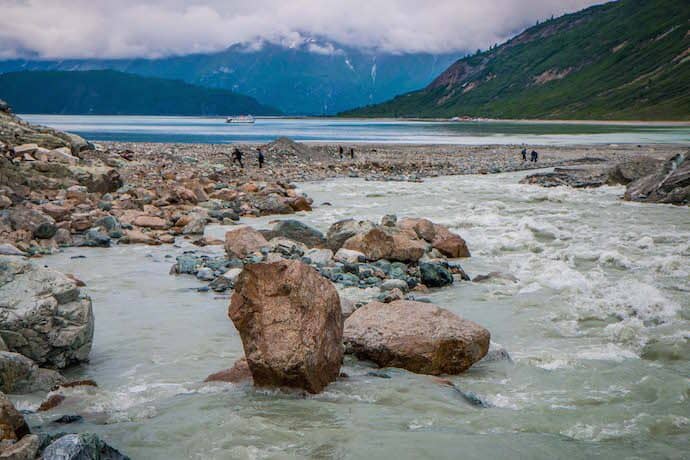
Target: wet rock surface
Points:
(80, 447)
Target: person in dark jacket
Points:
(340, 151)
(352, 153)
(534, 156)
(524, 154)
(260, 156)
(237, 157)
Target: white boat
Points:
(240, 119)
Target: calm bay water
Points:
(598, 325)
(215, 130)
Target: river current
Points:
(597, 325)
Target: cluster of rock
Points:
(58, 190)
(17, 442)
(293, 323)
(393, 256)
(647, 179)
(290, 322)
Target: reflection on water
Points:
(215, 130)
(597, 326)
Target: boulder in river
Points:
(43, 314)
(243, 241)
(290, 321)
(441, 238)
(378, 244)
(375, 244)
(297, 231)
(435, 274)
(416, 336)
(343, 230)
(81, 446)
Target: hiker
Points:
(340, 151)
(237, 157)
(352, 153)
(524, 154)
(261, 158)
(534, 156)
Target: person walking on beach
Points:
(534, 156)
(340, 151)
(237, 157)
(352, 153)
(524, 154)
(261, 158)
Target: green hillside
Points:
(107, 92)
(618, 61)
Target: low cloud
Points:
(58, 29)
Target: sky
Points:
(58, 29)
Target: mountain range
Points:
(628, 59)
(108, 92)
(309, 77)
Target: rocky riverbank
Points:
(55, 193)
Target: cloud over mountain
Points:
(54, 29)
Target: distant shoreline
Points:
(671, 123)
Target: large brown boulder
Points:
(416, 336)
(243, 241)
(291, 325)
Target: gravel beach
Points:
(291, 161)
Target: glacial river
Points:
(598, 327)
(215, 130)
